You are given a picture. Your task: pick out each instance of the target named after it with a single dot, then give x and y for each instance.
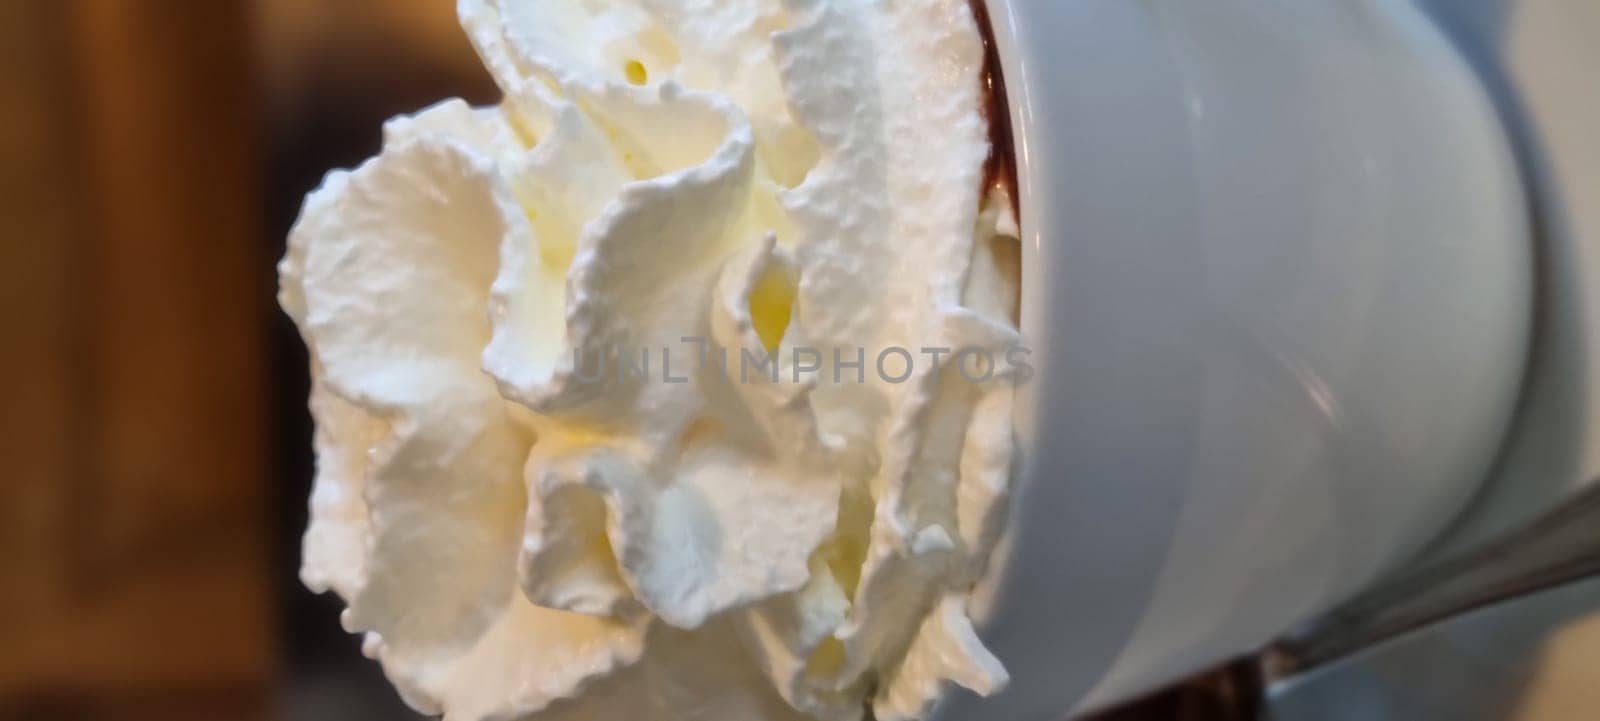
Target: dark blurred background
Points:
(154, 156)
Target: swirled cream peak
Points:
(522, 531)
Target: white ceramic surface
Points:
(1277, 282)
(1531, 659)
(1541, 59)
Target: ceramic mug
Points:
(1278, 289)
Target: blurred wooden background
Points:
(154, 154)
(133, 542)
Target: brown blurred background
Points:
(154, 155)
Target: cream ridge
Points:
(516, 541)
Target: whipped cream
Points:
(517, 537)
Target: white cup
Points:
(1277, 285)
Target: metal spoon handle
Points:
(1557, 548)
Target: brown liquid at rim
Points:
(1000, 169)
